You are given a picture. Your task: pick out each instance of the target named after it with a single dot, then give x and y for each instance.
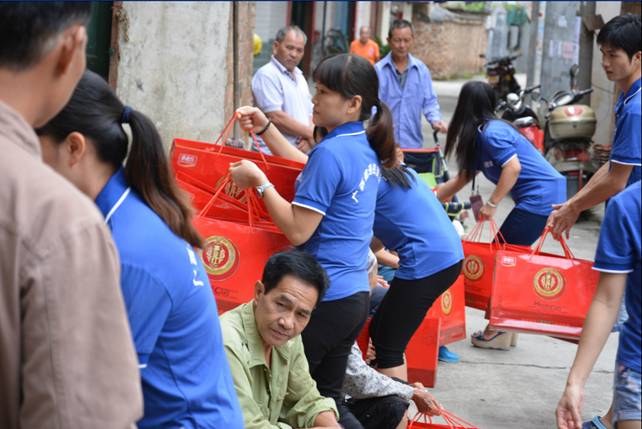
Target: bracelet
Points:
(269, 122)
(490, 203)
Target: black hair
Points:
(27, 28)
(95, 112)
(298, 264)
(398, 24)
(475, 107)
(351, 75)
(399, 175)
(622, 32)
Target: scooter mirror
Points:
(536, 96)
(575, 69)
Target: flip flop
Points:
(499, 341)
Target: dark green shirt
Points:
(281, 396)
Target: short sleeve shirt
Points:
(340, 182)
(423, 236)
(538, 186)
(369, 51)
(275, 88)
(627, 142)
(619, 251)
(173, 318)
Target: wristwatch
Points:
(260, 190)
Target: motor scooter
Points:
(515, 110)
(500, 74)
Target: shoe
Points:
(513, 339)
(499, 341)
(446, 355)
(594, 423)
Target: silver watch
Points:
(260, 190)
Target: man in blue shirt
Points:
(621, 46)
(618, 258)
(405, 86)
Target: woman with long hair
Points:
(332, 213)
(481, 142)
(186, 380)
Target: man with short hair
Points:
(364, 46)
(265, 351)
(405, 85)
(66, 355)
(281, 91)
(620, 42)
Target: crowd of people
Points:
(107, 317)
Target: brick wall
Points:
(451, 49)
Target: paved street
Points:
(518, 389)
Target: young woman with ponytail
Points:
(185, 377)
(332, 213)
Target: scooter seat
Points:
(525, 122)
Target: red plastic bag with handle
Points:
(236, 247)
(450, 308)
(479, 263)
(542, 293)
(450, 421)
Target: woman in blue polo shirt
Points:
(186, 380)
(410, 220)
(481, 142)
(332, 213)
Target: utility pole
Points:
(532, 45)
(587, 12)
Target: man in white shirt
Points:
(281, 91)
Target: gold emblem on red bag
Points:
(446, 302)
(220, 257)
(548, 282)
(473, 267)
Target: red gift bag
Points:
(479, 262)
(204, 164)
(542, 293)
(451, 309)
(236, 248)
(421, 353)
(451, 421)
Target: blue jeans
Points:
(627, 393)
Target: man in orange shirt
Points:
(365, 47)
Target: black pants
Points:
(328, 338)
(402, 310)
(385, 412)
(522, 227)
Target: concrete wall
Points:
(172, 65)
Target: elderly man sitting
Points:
(265, 352)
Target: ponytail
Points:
(350, 75)
(96, 113)
(147, 171)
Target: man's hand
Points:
(305, 145)
(487, 212)
(440, 126)
(425, 402)
(245, 174)
(562, 219)
(382, 282)
(568, 409)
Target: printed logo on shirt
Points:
(371, 170)
(548, 282)
(446, 302)
(192, 260)
(488, 164)
(220, 257)
(473, 267)
(187, 159)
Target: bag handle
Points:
(451, 420)
(227, 130)
(252, 214)
(568, 254)
(476, 234)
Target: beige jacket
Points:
(66, 356)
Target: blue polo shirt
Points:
(538, 186)
(627, 142)
(409, 102)
(340, 182)
(172, 314)
(618, 251)
(413, 223)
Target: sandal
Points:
(594, 423)
(499, 341)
